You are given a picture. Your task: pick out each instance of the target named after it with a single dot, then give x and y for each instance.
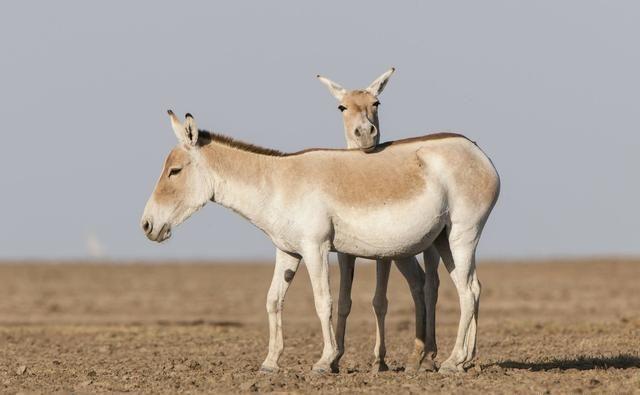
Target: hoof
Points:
(320, 371)
(268, 369)
(323, 369)
(378, 367)
(429, 365)
(449, 368)
(413, 365)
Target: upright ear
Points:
(378, 85)
(336, 90)
(186, 133)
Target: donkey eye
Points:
(342, 108)
(376, 104)
(174, 171)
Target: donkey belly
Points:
(391, 231)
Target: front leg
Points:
(347, 265)
(285, 269)
(316, 259)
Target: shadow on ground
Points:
(622, 361)
(218, 323)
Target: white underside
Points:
(400, 230)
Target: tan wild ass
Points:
(391, 203)
(359, 110)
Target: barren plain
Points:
(185, 327)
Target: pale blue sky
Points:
(550, 90)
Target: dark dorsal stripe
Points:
(206, 137)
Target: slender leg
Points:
(285, 269)
(380, 303)
(413, 273)
(458, 254)
(316, 259)
(431, 284)
(347, 265)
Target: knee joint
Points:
(476, 287)
(344, 308)
(323, 307)
(273, 306)
(380, 304)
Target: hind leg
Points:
(431, 284)
(458, 254)
(316, 259)
(413, 273)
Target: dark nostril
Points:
(146, 226)
(373, 131)
(357, 132)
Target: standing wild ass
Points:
(359, 110)
(391, 203)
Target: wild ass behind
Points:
(392, 203)
(359, 110)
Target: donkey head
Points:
(360, 111)
(183, 187)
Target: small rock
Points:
(21, 370)
(92, 374)
(56, 362)
(410, 388)
(594, 382)
(249, 386)
(194, 365)
(86, 383)
(495, 369)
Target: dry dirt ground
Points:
(552, 327)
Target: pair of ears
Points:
(187, 132)
(375, 88)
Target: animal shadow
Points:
(199, 322)
(621, 361)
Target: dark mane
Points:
(205, 137)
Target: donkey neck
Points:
(242, 180)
